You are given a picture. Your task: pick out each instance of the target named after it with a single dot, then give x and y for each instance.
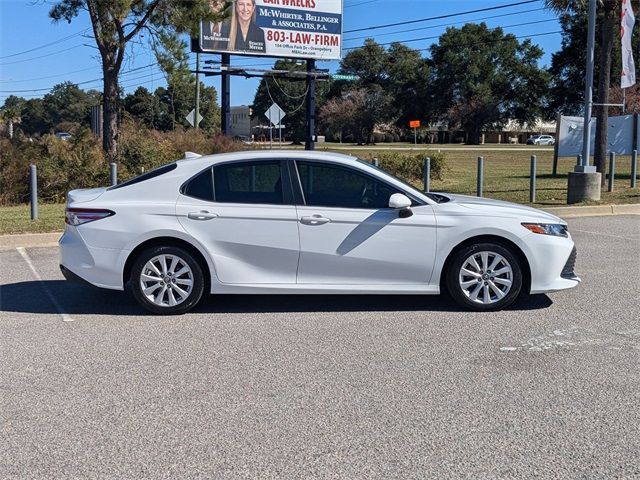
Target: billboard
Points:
(309, 29)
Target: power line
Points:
(438, 36)
(446, 24)
(48, 76)
(439, 17)
(41, 56)
(94, 80)
(500, 40)
(48, 44)
(361, 3)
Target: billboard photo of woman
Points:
(238, 33)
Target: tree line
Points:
(474, 79)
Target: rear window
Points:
(201, 186)
(156, 172)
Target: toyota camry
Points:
(267, 222)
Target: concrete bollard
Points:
(480, 176)
(532, 181)
(113, 173)
(376, 162)
(33, 180)
(612, 171)
(426, 173)
(634, 168)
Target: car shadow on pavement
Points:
(76, 299)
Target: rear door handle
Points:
(315, 220)
(203, 215)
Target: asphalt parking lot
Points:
(326, 386)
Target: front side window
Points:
(248, 182)
(335, 186)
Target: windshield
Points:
(436, 198)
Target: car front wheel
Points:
(484, 276)
(167, 280)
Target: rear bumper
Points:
(101, 267)
(72, 277)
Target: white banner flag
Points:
(627, 20)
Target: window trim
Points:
(146, 176)
(300, 190)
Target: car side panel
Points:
(246, 243)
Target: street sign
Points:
(275, 114)
(414, 124)
(348, 78)
(191, 116)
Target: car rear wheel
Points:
(167, 280)
(484, 276)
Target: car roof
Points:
(266, 155)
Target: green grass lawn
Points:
(506, 175)
(18, 219)
(506, 178)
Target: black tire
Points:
(174, 287)
(483, 279)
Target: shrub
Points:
(80, 161)
(410, 167)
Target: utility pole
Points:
(197, 115)
(584, 181)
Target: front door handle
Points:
(315, 220)
(202, 215)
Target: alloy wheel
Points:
(485, 277)
(166, 280)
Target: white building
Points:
(241, 122)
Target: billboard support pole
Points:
(197, 113)
(311, 105)
(225, 100)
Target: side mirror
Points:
(401, 202)
(398, 201)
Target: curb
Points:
(29, 240)
(595, 210)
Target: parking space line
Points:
(23, 253)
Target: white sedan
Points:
(309, 223)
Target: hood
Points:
(500, 208)
(84, 195)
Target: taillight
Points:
(78, 216)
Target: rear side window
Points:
(249, 182)
(201, 186)
(156, 172)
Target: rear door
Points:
(243, 213)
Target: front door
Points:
(243, 213)
(349, 236)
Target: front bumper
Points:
(552, 262)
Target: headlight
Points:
(555, 229)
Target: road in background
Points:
(326, 386)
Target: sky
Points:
(36, 53)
